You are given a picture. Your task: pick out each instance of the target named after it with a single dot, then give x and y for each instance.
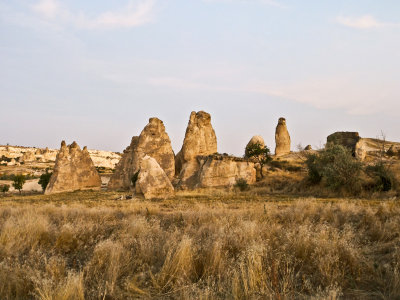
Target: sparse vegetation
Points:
(44, 179)
(336, 168)
(5, 188)
(207, 249)
(261, 154)
(18, 182)
(384, 179)
(242, 184)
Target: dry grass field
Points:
(202, 245)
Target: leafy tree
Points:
(44, 179)
(260, 153)
(19, 181)
(5, 188)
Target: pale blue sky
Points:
(95, 71)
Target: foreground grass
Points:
(89, 245)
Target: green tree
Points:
(260, 153)
(5, 188)
(19, 181)
(44, 179)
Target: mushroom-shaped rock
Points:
(200, 140)
(152, 181)
(73, 170)
(282, 138)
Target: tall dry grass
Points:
(188, 250)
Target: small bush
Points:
(336, 167)
(5, 188)
(242, 184)
(44, 179)
(384, 179)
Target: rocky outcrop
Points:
(308, 148)
(28, 157)
(152, 181)
(282, 138)
(73, 170)
(124, 170)
(220, 170)
(346, 139)
(200, 139)
(154, 142)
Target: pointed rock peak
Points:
(74, 145)
(282, 121)
(282, 138)
(63, 144)
(85, 148)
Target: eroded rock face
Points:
(28, 157)
(218, 170)
(154, 142)
(73, 170)
(200, 139)
(282, 138)
(152, 181)
(347, 139)
(124, 170)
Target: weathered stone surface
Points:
(152, 181)
(153, 141)
(200, 139)
(360, 151)
(282, 138)
(218, 170)
(124, 170)
(347, 139)
(28, 157)
(73, 170)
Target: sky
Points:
(95, 71)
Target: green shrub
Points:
(383, 177)
(44, 179)
(5, 188)
(336, 167)
(242, 184)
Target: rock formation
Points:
(308, 148)
(154, 142)
(200, 139)
(219, 170)
(282, 138)
(346, 139)
(28, 157)
(73, 170)
(124, 170)
(152, 181)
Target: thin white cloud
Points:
(47, 8)
(267, 2)
(136, 13)
(363, 22)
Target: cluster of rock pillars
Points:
(150, 167)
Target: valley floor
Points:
(200, 245)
